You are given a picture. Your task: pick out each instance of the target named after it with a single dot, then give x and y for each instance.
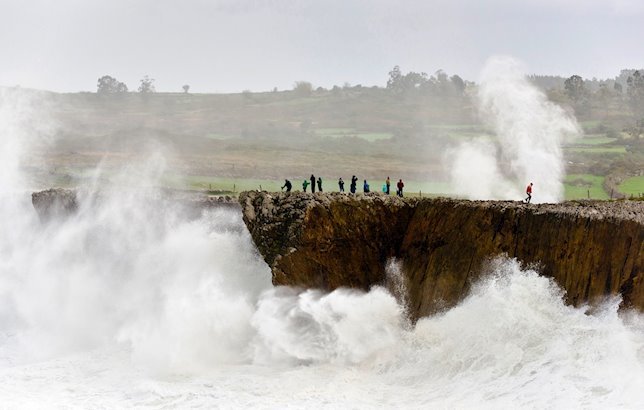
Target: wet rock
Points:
(54, 203)
(58, 202)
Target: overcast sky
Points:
(233, 45)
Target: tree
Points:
(303, 88)
(635, 89)
(407, 83)
(395, 77)
(186, 88)
(575, 88)
(617, 87)
(458, 84)
(147, 85)
(110, 85)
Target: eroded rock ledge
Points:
(591, 248)
(63, 202)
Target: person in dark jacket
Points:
(354, 180)
(341, 184)
(365, 187)
(400, 185)
(320, 184)
(287, 185)
(312, 183)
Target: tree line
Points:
(628, 86)
(110, 85)
(398, 83)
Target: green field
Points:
(456, 127)
(632, 186)
(333, 132)
(467, 131)
(216, 136)
(595, 139)
(350, 133)
(579, 186)
(226, 185)
(598, 150)
(589, 124)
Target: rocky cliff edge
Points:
(592, 249)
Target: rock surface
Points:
(591, 248)
(54, 202)
(60, 202)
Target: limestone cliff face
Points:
(325, 240)
(592, 249)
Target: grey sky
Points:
(232, 45)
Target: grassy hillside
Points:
(212, 139)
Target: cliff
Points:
(591, 249)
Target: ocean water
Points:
(129, 305)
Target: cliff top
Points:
(592, 209)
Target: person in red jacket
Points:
(400, 185)
(528, 191)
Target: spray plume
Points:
(529, 131)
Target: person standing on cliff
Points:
(528, 192)
(341, 184)
(305, 184)
(320, 184)
(365, 187)
(287, 185)
(354, 180)
(400, 185)
(312, 183)
(388, 183)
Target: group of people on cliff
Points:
(365, 186)
(352, 188)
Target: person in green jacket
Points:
(305, 184)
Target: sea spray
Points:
(396, 283)
(130, 269)
(529, 131)
(511, 343)
(341, 327)
(514, 342)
